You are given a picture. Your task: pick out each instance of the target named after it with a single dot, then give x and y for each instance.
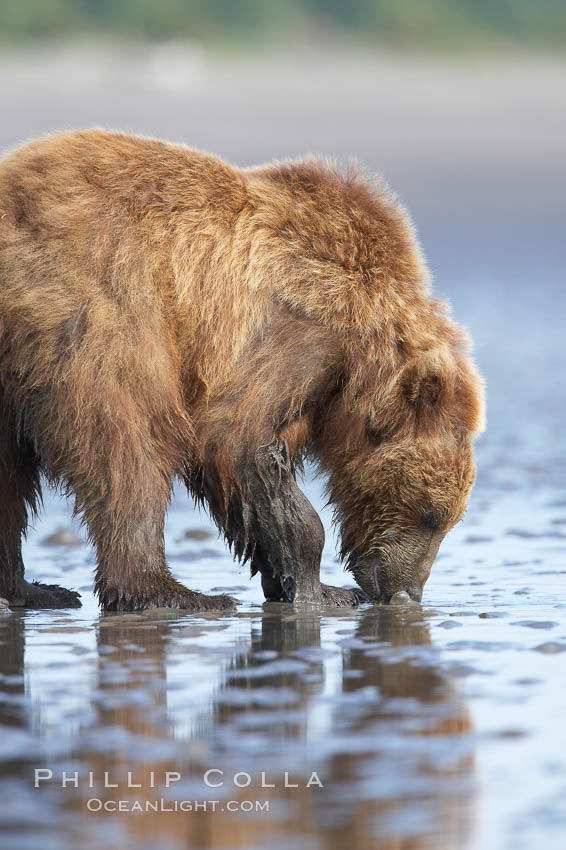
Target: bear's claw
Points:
(169, 594)
(342, 596)
(36, 595)
(202, 602)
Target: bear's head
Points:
(402, 467)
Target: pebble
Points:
(63, 537)
(197, 534)
(535, 624)
(551, 648)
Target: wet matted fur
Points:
(163, 313)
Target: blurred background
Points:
(461, 106)
(447, 24)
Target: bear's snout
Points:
(399, 572)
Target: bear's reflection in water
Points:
(385, 731)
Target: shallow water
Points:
(428, 726)
(435, 726)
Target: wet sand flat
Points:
(435, 726)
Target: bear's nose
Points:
(416, 593)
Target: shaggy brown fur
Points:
(166, 314)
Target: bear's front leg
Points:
(284, 533)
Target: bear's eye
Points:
(431, 520)
(374, 434)
(374, 437)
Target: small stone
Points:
(63, 537)
(197, 534)
(551, 648)
(511, 733)
(400, 598)
(535, 624)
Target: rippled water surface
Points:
(398, 728)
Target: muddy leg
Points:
(20, 494)
(287, 533)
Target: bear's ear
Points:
(470, 399)
(426, 382)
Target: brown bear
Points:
(165, 314)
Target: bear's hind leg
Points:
(114, 430)
(132, 572)
(127, 529)
(20, 494)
